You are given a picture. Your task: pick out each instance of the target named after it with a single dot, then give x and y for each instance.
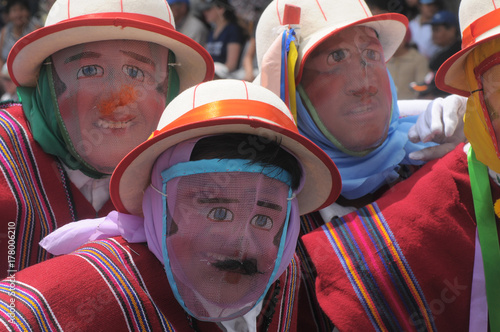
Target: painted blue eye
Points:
(372, 55)
(134, 72)
(337, 56)
(90, 71)
(261, 221)
(220, 214)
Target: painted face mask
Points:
(347, 90)
(347, 105)
(224, 226)
(110, 96)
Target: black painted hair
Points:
(256, 149)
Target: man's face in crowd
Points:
(347, 82)
(427, 11)
(213, 14)
(179, 10)
(443, 35)
(19, 14)
(226, 232)
(491, 89)
(111, 95)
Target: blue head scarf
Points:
(364, 175)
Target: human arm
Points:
(247, 61)
(234, 41)
(2, 39)
(233, 55)
(441, 122)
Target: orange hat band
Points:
(237, 109)
(480, 26)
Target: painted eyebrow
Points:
(372, 41)
(229, 200)
(217, 200)
(82, 55)
(269, 205)
(139, 57)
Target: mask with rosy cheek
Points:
(110, 97)
(224, 240)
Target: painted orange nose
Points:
(125, 96)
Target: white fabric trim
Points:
(335, 210)
(96, 191)
(245, 323)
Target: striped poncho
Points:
(113, 285)
(36, 196)
(404, 262)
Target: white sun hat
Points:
(82, 21)
(479, 23)
(319, 19)
(219, 107)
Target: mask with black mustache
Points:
(245, 267)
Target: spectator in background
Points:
(226, 38)
(43, 10)
(446, 35)
(186, 23)
(249, 61)
(421, 32)
(407, 65)
(8, 87)
(411, 9)
(377, 7)
(20, 24)
(394, 6)
(248, 14)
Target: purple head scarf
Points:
(149, 228)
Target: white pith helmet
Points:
(319, 19)
(82, 21)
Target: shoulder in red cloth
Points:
(36, 196)
(114, 285)
(404, 262)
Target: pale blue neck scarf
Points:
(364, 175)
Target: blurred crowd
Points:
(17, 19)
(433, 36)
(226, 28)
